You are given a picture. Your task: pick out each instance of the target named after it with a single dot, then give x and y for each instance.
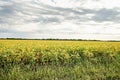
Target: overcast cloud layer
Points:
(76, 19)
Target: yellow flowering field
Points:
(80, 59)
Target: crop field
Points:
(59, 60)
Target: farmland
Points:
(59, 60)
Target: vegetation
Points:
(59, 60)
(60, 39)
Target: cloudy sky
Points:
(71, 19)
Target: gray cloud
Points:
(79, 14)
(13, 13)
(106, 15)
(19, 14)
(48, 14)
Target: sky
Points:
(62, 19)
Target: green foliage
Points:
(59, 60)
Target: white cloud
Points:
(88, 4)
(87, 19)
(89, 15)
(4, 3)
(30, 27)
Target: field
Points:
(59, 60)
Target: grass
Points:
(59, 60)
